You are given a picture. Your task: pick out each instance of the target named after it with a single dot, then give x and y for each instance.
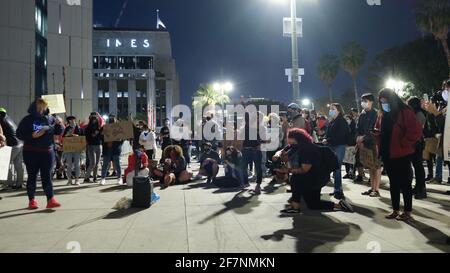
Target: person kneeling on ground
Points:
(304, 165)
(174, 167)
(138, 160)
(209, 163)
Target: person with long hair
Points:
(37, 131)
(111, 153)
(336, 138)
(420, 191)
(399, 131)
(303, 158)
(94, 141)
(174, 167)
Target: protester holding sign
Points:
(37, 131)
(398, 131)
(72, 157)
(112, 151)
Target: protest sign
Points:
(350, 154)
(56, 103)
(5, 157)
(75, 144)
(118, 131)
(367, 158)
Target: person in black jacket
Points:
(336, 138)
(9, 130)
(37, 130)
(72, 158)
(429, 132)
(111, 153)
(94, 141)
(349, 168)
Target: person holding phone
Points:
(37, 131)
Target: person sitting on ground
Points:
(304, 165)
(209, 163)
(234, 167)
(174, 167)
(138, 160)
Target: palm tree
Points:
(433, 16)
(327, 71)
(208, 96)
(353, 57)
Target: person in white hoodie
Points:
(148, 140)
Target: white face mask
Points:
(445, 95)
(364, 105)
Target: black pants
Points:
(149, 154)
(400, 176)
(311, 196)
(39, 163)
(349, 168)
(419, 170)
(430, 165)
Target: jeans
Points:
(249, 156)
(93, 154)
(340, 153)
(16, 161)
(116, 163)
(400, 176)
(39, 163)
(73, 164)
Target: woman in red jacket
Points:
(399, 131)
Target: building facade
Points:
(134, 74)
(46, 48)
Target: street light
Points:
(223, 88)
(308, 102)
(396, 85)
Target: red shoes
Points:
(52, 203)
(33, 205)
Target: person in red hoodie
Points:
(398, 132)
(133, 161)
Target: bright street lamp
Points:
(223, 88)
(308, 102)
(396, 85)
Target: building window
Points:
(144, 62)
(103, 96)
(141, 96)
(106, 62)
(127, 62)
(122, 99)
(40, 47)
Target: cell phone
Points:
(426, 98)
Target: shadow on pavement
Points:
(115, 188)
(45, 211)
(436, 238)
(56, 191)
(317, 232)
(119, 214)
(240, 204)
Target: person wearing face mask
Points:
(147, 139)
(164, 135)
(398, 131)
(336, 137)
(93, 140)
(440, 117)
(73, 158)
(111, 153)
(303, 158)
(295, 117)
(37, 131)
(209, 163)
(349, 168)
(366, 139)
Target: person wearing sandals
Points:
(174, 167)
(398, 131)
(303, 158)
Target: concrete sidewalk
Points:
(192, 218)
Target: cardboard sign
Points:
(118, 131)
(5, 158)
(367, 158)
(74, 144)
(56, 103)
(350, 155)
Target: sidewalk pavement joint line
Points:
(186, 220)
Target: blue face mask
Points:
(333, 113)
(386, 107)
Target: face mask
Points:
(304, 116)
(364, 105)
(386, 107)
(333, 113)
(349, 121)
(445, 95)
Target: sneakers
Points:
(52, 203)
(367, 192)
(359, 179)
(290, 211)
(420, 195)
(393, 215)
(119, 181)
(339, 195)
(345, 206)
(32, 205)
(77, 182)
(405, 217)
(258, 189)
(103, 181)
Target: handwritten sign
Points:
(56, 103)
(5, 157)
(367, 158)
(74, 144)
(350, 154)
(118, 131)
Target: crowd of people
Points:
(399, 136)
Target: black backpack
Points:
(328, 163)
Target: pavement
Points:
(194, 219)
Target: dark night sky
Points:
(243, 38)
